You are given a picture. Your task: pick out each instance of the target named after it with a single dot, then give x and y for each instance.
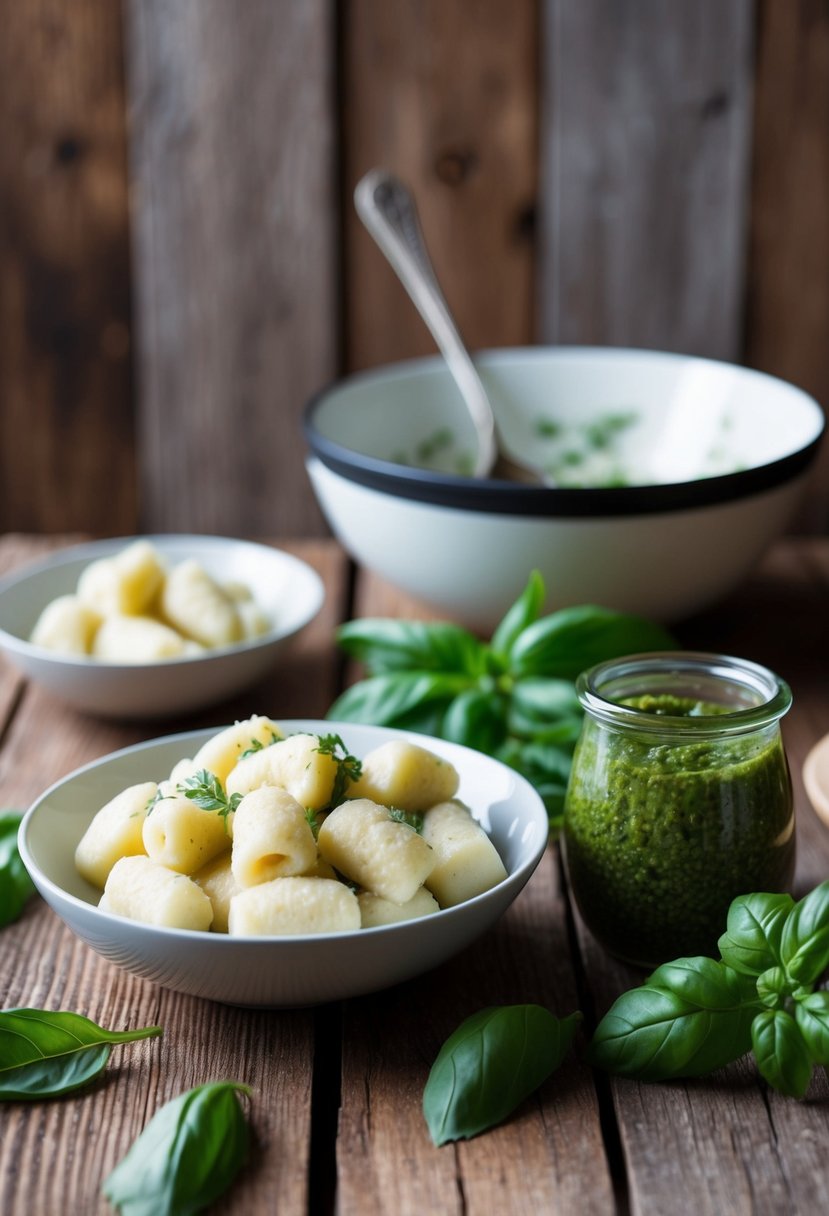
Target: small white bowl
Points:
(287, 590)
(277, 972)
(714, 458)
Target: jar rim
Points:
(774, 697)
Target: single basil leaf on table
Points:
(691, 1017)
(489, 1065)
(389, 645)
(781, 1052)
(524, 612)
(45, 1054)
(386, 700)
(569, 641)
(476, 719)
(811, 1013)
(16, 887)
(804, 945)
(186, 1156)
(754, 928)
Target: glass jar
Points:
(679, 800)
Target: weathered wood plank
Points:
(646, 119)
(444, 95)
(231, 114)
(66, 430)
(788, 273)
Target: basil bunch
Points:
(186, 1156)
(512, 697)
(697, 1014)
(44, 1055)
(15, 884)
(492, 1062)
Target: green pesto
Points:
(661, 836)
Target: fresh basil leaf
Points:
(812, 1016)
(386, 700)
(186, 1156)
(44, 1054)
(804, 945)
(692, 1016)
(781, 1052)
(569, 641)
(773, 987)
(751, 942)
(16, 887)
(539, 701)
(493, 1061)
(386, 646)
(476, 719)
(524, 612)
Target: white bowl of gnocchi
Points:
(145, 627)
(276, 864)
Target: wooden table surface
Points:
(336, 1089)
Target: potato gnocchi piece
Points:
(466, 861)
(221, 753)
(295, 764)
(374, 910)
(195, 604)
(142, 890)
(115, 832)
(66, 625)
(137, 639)
(271, 838)
(182, 836)
(127, 583)
(217, 881)
(388, 858)
(288, 906)
(403, 774)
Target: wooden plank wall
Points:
(180, 266)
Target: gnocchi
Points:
(263, 833)
(130, 608)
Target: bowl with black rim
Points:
(672, 474)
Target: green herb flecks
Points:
(411, 819)
(256, 745)
(312, 821)
(45, 1054)
(206, 790)
(187, 1155)
(698, 1014)
(16, 887)
(512, 697)
(349, 767)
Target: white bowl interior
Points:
(287, 590)
(279, 971)
(679, 418)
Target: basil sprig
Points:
(15, 884)
(493, 1061)
(698, 1014)
(186, 1156)
(45, 1054)
(512, 697)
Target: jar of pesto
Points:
(679, 800)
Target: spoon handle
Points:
(388, 211)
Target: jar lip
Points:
(774, 695)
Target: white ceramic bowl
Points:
(289, 592)
(715, 458)
(277, 971)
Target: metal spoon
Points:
(388, 211)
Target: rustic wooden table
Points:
(336, 1089)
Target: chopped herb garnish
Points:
(547, 428)
(157, 797)
(349, 767)
(256, 745)
(206, 790)
(412, 819)
(312, 821)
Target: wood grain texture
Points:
(788, 279)
(66, 426)
(443, 95)
(646, 121)
(231, 118)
